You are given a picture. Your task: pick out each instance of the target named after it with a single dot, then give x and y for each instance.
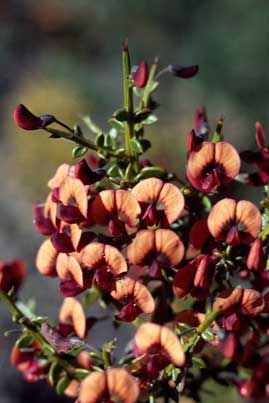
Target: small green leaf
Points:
(121, 115)
(79, 151)
(208, 335)
(129, 172)
(151, 119)
(135, 145)
(206, 203)
(138, 91)
(54, 373)
(113, 171)
(100, 140)
(151, 172)
(108, 141)
(119, 126)
(25, 340)
(175, 373)
(80, 373)
(91, 125)
(142, 115)
(198, 362)
(62, 385)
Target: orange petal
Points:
(61, 173)
(249, 216)
(128, 287)
(142, 244)
(73, 188)
(72, 309)
(229, 299)
(85, 360)
(72, 389)
(172, 346)
(93, 387)
(148, 190)
(199, 234)
(221, 214)
(199, 160)
(46, 258)
(154, 190)
(146, 336)
(228, 157)
(96, 252)
(252, 302)
(50, 210)
(190, 317)
(150, 334)
(75, 234)
(172, 200)
(122, 384)
(127, 207)
(169, 244)
(66, 265)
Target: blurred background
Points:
(63, 57)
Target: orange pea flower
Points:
(73, 279)
(214, 164)
(234, 222)
(247, 301)
(161, 346)
(106, 263)
(135, 296)
(102, 386)
(115, 209)
(158, 249)
(159, 201)
(72, 310)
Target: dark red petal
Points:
(42, 224)
(62, 242)
(70, 214)
(86, 174)
(140, 76)
(25, 119)
(183, 72)
(129, 312)
(70, 288)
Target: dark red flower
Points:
(12, 275)
(28, 121)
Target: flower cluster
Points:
(181, 261)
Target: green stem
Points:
(209, 319)
(82, 141)
(18, 317)
(128, 99)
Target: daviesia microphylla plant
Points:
(181, 261)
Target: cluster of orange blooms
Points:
(146, 246)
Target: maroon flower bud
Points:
(12, 275)
(28, 121)
(256, 260)
(145, 163)
(182, 71)
(140, 75)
